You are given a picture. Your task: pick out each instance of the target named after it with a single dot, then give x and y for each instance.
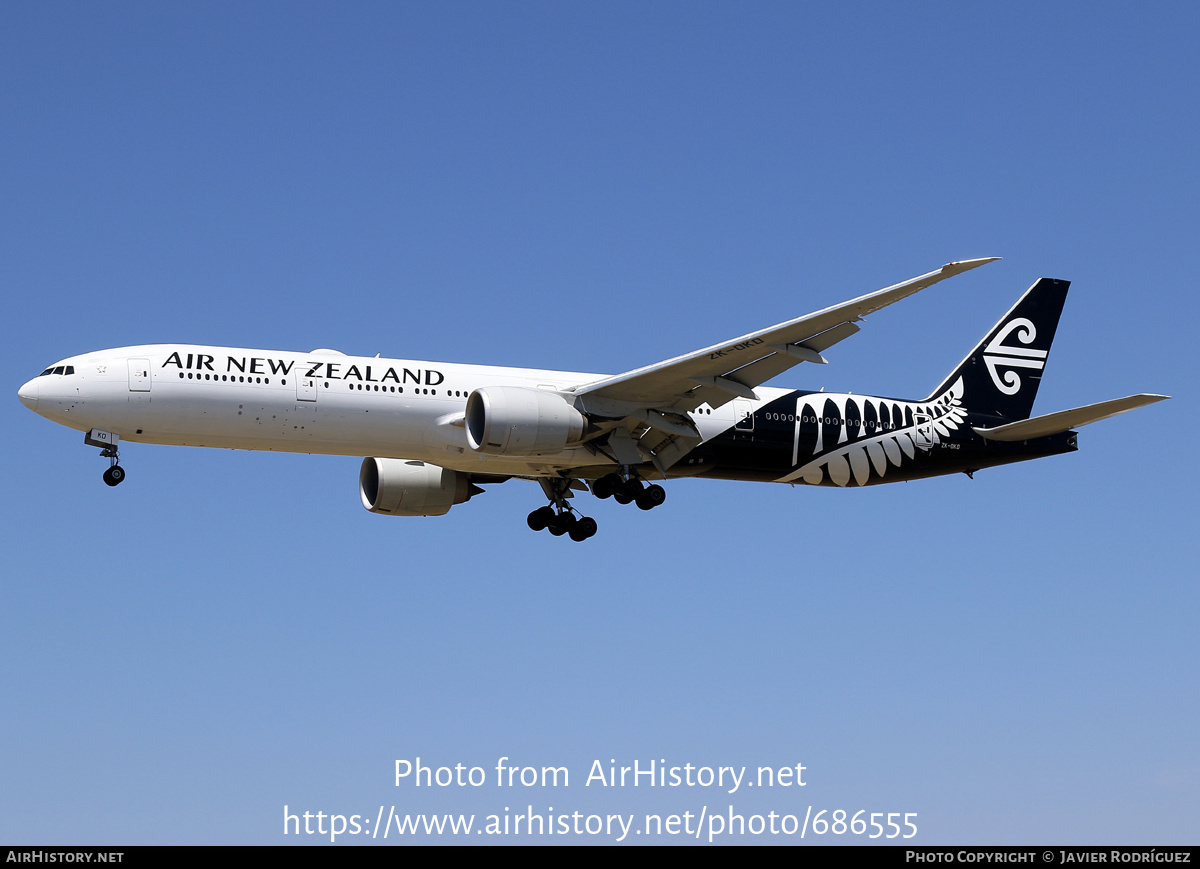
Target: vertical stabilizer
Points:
(1000, 377)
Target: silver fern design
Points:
(873, 434)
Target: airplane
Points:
(434, 433)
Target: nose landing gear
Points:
(107, 441)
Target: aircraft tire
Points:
(606, 486)
(583, 529)
(540, 518)
(561, 524)
(629, 491)
(651, 497)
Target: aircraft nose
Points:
(29, 394)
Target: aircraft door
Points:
(306, 388)
(743, 414)
(923, 434)
(139, 375)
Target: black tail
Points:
(1000, 377)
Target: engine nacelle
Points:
(401, 487)
(515, 421)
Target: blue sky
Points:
(595, 187)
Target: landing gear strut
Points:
(559, 517)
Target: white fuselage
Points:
(322, 402)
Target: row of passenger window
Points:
(450, 393)
(231, 378)
(266, 380)
(830, 420)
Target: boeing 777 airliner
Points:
(433, 433)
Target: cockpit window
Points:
(47, 371)
(59, 369)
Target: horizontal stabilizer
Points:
(1053, 423)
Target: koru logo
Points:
(997, 353)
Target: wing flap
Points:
(1053, 423)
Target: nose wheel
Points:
(115, 473)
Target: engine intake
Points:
(401, 487)
(516, 421)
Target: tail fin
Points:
(1000, 377)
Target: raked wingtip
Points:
(963, 265)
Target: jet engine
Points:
(401, 487)
(516, 421)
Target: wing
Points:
(659, 396)
(724, 371)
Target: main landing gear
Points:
(629, 489)
(578, 528)
(558, 517)
(107, 441)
